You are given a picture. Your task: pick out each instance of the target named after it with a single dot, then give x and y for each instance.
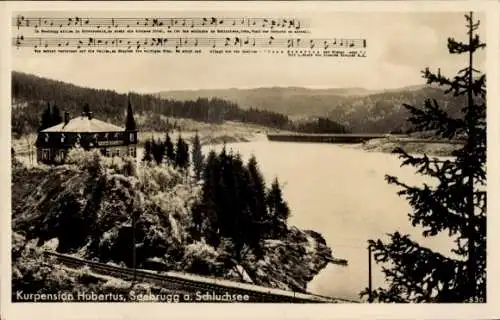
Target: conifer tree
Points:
(56, 117)
(197, 157)
(457, 205)
(169, 149)
(86, 108)
(257, 201)
(46, 120)
(182, 154)
(278, 209)
(205, 218)
(147, 151)
(157, 150)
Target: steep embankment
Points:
(89, 207)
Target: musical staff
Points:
(111, 23)
(187, 42)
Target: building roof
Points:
(84, 124)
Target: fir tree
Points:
(147, 151)
(197, 157)
(182, 154)
(205, 218)
(157, 150)
(169, 149)
(86, 108)
(278, 209)
(257, 202)
(46, 120)
(55, 116)
(456, 206)
(130, 121)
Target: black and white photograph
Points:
(224, 155)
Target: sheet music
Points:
(289, 36)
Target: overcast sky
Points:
(400, 45)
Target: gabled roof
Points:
(84, 124)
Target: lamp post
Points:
(370, 295)
(134, 257)
(135, 207)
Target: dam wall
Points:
(324, 138)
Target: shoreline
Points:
(411, 146)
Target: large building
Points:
(86, 132)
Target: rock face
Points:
(291, 263)
(88, 208)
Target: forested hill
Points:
(358, 109)
(31, 95)
(339, 110)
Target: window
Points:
(107, 152)
(116, 152)
(131, 151)
(45, 154)
(131, 137)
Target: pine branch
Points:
(425, 165)
(428, 276)
(432, 117)
(456, 47)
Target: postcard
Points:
(305, 160)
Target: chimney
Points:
(90, 114)
(66, 118)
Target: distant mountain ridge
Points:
(360, 109)
(285, 90)
(356, 109)
(292, 90)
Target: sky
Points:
(399, 46)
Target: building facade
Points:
(54, 143)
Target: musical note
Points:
(188, 42)
(147, 22)
(19, 39)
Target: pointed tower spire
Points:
(130, 122)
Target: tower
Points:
(130, 129)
